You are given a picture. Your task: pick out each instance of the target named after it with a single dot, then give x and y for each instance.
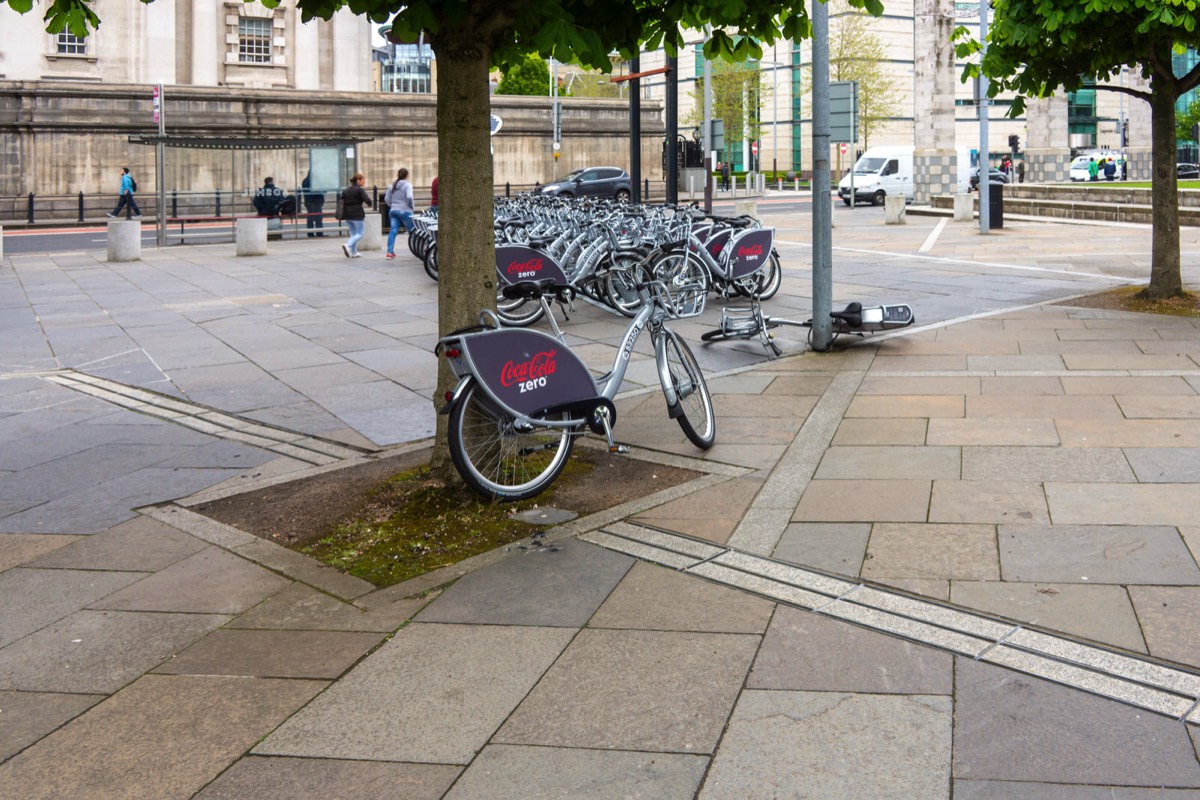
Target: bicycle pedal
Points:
(618, 449)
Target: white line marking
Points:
(932, 238)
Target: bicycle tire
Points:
(620, 288)
(518, 313)
(496, 457)
(416, 244)
(678, 268)
(698, 420)
(431, 261)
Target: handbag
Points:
(339, 213)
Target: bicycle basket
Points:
(686, 301)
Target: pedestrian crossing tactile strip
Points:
(301, 447)
(1136, 681)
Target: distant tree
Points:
(529, 76)
(738, 90)
(1186, 120)
(1038, 47)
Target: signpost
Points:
(754, 153)
(160, 215)
(843, 119)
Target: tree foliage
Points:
(1037, 47)
(738, 93)
(529, 76)
(1186, 120)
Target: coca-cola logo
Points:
(526, 267)
(753, 250)
(541, 365)
(716, 247)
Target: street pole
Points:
(985, 172)
(822, 209)
(672, 113)
(775, 111)
(160, 154)
(635, 128)
(708, 142)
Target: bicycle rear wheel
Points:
(499, 457)
(431, 261)
(696, 416)
(519, 312)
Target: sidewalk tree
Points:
(1036, 47)
(469, 37)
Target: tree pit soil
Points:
(1129, 298)
(388, 520)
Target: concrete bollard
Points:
(252, 236)
(964, 208)
(372, 239)
(893, 210)
(747, 207)
(124, 240)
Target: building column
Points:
(934, 168)
(351, 62)
(207, 55)
(158, 63)
(1047, 155)
(306, 54)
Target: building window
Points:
(68, 44)
(254, 40)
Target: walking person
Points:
(1021, 171)
(128, 187)
(399, 199)
(354, 201)
(725, 174)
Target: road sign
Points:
(843, 148)
(754, 148)
(843, 111)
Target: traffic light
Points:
(1014, 142)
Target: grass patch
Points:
(1127, 185)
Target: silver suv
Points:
(591, 182)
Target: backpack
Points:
(133, 182)
(339, 213)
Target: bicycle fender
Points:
(456, 396)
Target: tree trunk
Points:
(1165, 277)
(466, 254)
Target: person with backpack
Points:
(354, 201)
(399, 199)
(128, 187)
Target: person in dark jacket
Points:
(354, 202)
(314, 207)
(433, 203)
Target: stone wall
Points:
(64, 138)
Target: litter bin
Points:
(995, 205)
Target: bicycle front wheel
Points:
(696, 416)
(499, 457)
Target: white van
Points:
(889, 170)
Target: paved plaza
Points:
(957, 561)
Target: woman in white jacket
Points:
(399, 198)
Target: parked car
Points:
(994, 176)
(1078, 170)
(591, 182)
(1189, 172)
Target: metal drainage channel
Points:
(307, 449)
(1142, 683)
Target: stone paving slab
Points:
(864, 501)
(879, 431)
(833, 745)
(1019, 790)
(29, 716)
(1170, 620)
(635, 690)
(510, 772)
(994, 432)
(1017, 725)
(1118, 554)
(833, 547)
(141, 544)
(881, 462)
(795, 655)
(272, 654)
(937, 551)
(162, 737)
(300, 608)
(560, 585)
(33, 598)
(988, 502)
(20, 548)
(432, 694)
(98, 652)
(1164, 465)
(292, 778)
(1102, 465)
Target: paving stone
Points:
(141, 544)
(1165, 464)
(272, 654)
(303, 568)
(1170, 620)
(919, 363)
(28, 716)
(795, 655)
(433, 694)
(834, 547)
(874, 430)
(508, 772)
(899, 406)
(1115, 385)
(988, 501)
(712, 514)
(561, 585)
(1160, 406)
(1123, 504)
(1129, 433)
(925, 587)
(924, 385)
(834, 746)
(635, 690)
(163, 736)
(1119, 554)
(1014, 790)
(1044, 732)
(1100, 613)
(1101, 465)
(290, 778)
(938, 551)
(98, 652)
(34, 598)
(654, 598)
(1127, 361)
(864, 501)
(300, 607)
(881, 462)
(793, 385)
(20, 548)
(974, 431)
(1042, 407)
(211, 581)
(1021, 385)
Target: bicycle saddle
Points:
(531, 290)
(851, 314)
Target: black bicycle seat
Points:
(531, 290)
(851, 314)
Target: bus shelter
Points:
(212, 181)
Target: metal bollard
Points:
(81, 206)
(174, 203)
(646, 194)
(30, 215)
(218, 203)
(507, 189)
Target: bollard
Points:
(964, 207)
(218, 203)
(797, 184)
(81, 206)
(372, 238)
(507, 189)
(30, 208)
(251, 236)
(174, 203)
(646, 193)
(745, 208)
(124, 240)
(893, 210)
